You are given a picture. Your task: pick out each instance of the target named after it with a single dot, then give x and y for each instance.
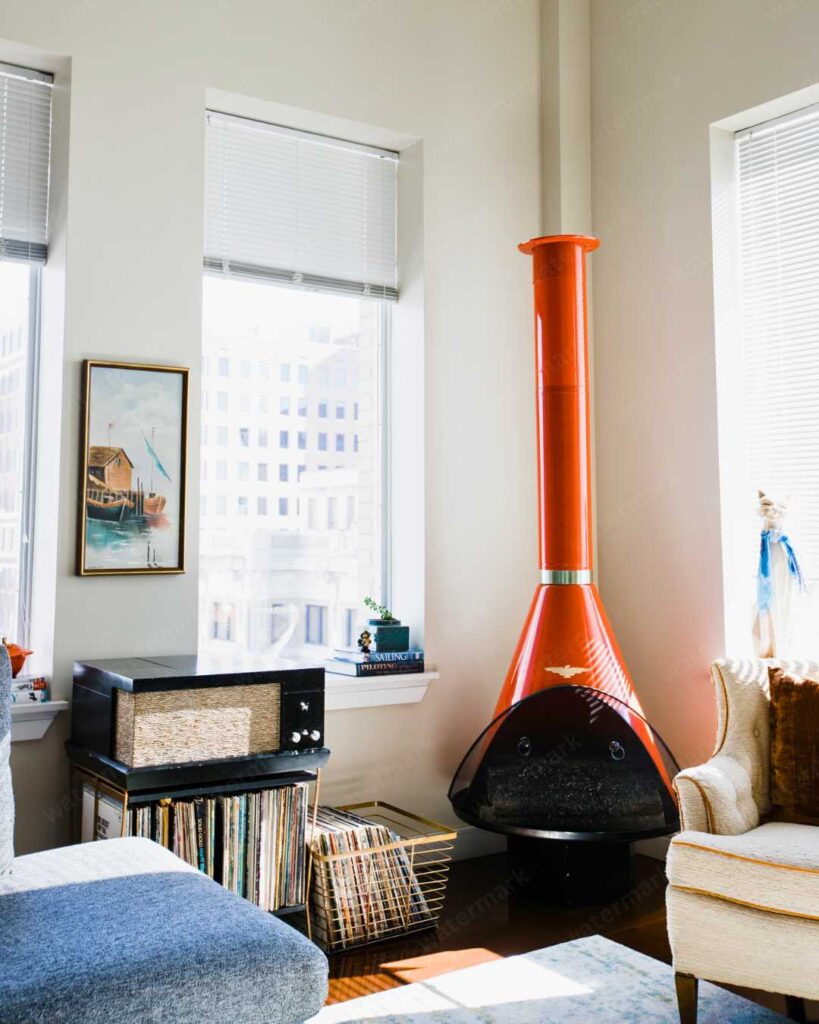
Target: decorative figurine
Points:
(779, 582)
(364, 641)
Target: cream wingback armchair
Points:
(743, 898)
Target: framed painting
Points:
(132, 469)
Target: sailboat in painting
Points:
(154, 504)
(110, 494)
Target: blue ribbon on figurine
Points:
(764, 584)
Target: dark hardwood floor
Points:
(489, 913)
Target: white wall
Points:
(662, 72)
(464, 78)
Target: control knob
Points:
(295, 737)
(315, 735)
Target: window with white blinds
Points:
(300, 209)
(25, 143)
(778, 179)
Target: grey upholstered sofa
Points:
(122, 930)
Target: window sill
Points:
(32, 721)
(344, 692)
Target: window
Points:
(315, 620)
(349, 627)
(244, 471)
(244, 437)
(766, 269)
(262, 438)
(280, 621)
(242, 503)
(25, 138)
(316, 305)
(221, 435)
(222, 401)
(261, 506)
(339, 442)
(222, 623)
(222, 366)
(221, 505)
(261, 472)
(221, 470)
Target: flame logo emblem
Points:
(566, 671)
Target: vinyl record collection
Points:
(374, 879)
(253, 843)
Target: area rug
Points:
(577, 982)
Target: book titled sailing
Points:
(356, 655)
(374, 668)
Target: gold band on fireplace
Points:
(548, 576)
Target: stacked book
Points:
(364, 887)
(353, 662)
(252, 843)
(29, 690)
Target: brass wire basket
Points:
(376, 890)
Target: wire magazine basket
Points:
(376, 873)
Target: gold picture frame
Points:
(133, 464)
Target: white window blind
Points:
(778, 170)
(25, 143)
(299, 209)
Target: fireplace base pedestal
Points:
(574, 873)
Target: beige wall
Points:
(662, 72)
(463, 77)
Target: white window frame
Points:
(403, 360)
(738, 542)
(29, 482)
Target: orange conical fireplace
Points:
(569, 757)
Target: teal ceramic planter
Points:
(389, 635)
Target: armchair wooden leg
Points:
(686, 997)
(795, 1009)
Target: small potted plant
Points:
(388, 633)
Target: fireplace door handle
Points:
(617, 750)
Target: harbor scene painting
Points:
(132, 488)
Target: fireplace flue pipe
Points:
(563, 417)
